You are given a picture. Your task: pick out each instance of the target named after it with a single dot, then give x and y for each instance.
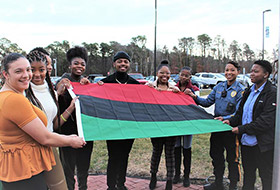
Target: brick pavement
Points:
(98, 182)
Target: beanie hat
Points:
(165, 61)
(265, 64)
(121, 54)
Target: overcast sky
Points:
(32, 23)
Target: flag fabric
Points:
(126, 111)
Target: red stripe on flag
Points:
(132, 93)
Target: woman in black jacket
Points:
(255, 123)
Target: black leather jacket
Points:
(264, 112)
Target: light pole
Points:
(155, 43)
(263, 32)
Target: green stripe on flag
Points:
(108, 129)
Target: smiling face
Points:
(258, 74)
(163, 75)
(231, 73)
(122, 65)
(78, 66)
(39, 71)
(18, 75)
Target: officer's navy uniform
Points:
(226, 100)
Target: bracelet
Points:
(63, 118)
(68, 112)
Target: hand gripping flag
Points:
(126, 111)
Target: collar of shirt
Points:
(253, 88)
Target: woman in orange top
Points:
(24, 138)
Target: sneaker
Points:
(153, 182)
(176, 179)
(122, 188)
(186, 182)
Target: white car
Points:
(212, 79)
(244, 79)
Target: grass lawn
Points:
(140, 156)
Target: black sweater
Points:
(124, 78)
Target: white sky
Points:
(33, 23)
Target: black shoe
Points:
(213, 186)
(186, 182)
(168, 185)
(233, 187)
(153, 182)
(122, 188)
(176, 179)
(112, 188)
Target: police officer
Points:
(226, 97)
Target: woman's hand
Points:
(77, 142)
(62, 86)
(84, 81)
(190, 93)
(219, 118)
(226, 122)
(235, 130)
(100, 83)
(176, 90)
(72, 104)
(150, 85)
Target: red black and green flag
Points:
(126, 111)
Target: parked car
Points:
(54, 79)
(92, 76)
(244, 79)
(139, 77)
(212, 79)
(96, 79)
(198, 82)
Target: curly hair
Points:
(77, 51)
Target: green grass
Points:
(140, 156)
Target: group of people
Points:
(35, 116)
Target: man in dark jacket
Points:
(118, 150)
(255, 123)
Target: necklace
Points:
(120, 82)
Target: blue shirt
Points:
(226, 105)
(247, 117)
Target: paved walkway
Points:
(98, 182)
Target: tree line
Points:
(202, 54)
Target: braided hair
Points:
(37, 56)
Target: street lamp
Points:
(155, 43)
(263, 32)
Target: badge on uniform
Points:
(233, 93)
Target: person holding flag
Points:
(118, 150)
(226, 96)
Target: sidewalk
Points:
(98, 182)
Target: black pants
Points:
(118, 152)
(253, 159)
(35, 182)
(219, 142)
(80, 158)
